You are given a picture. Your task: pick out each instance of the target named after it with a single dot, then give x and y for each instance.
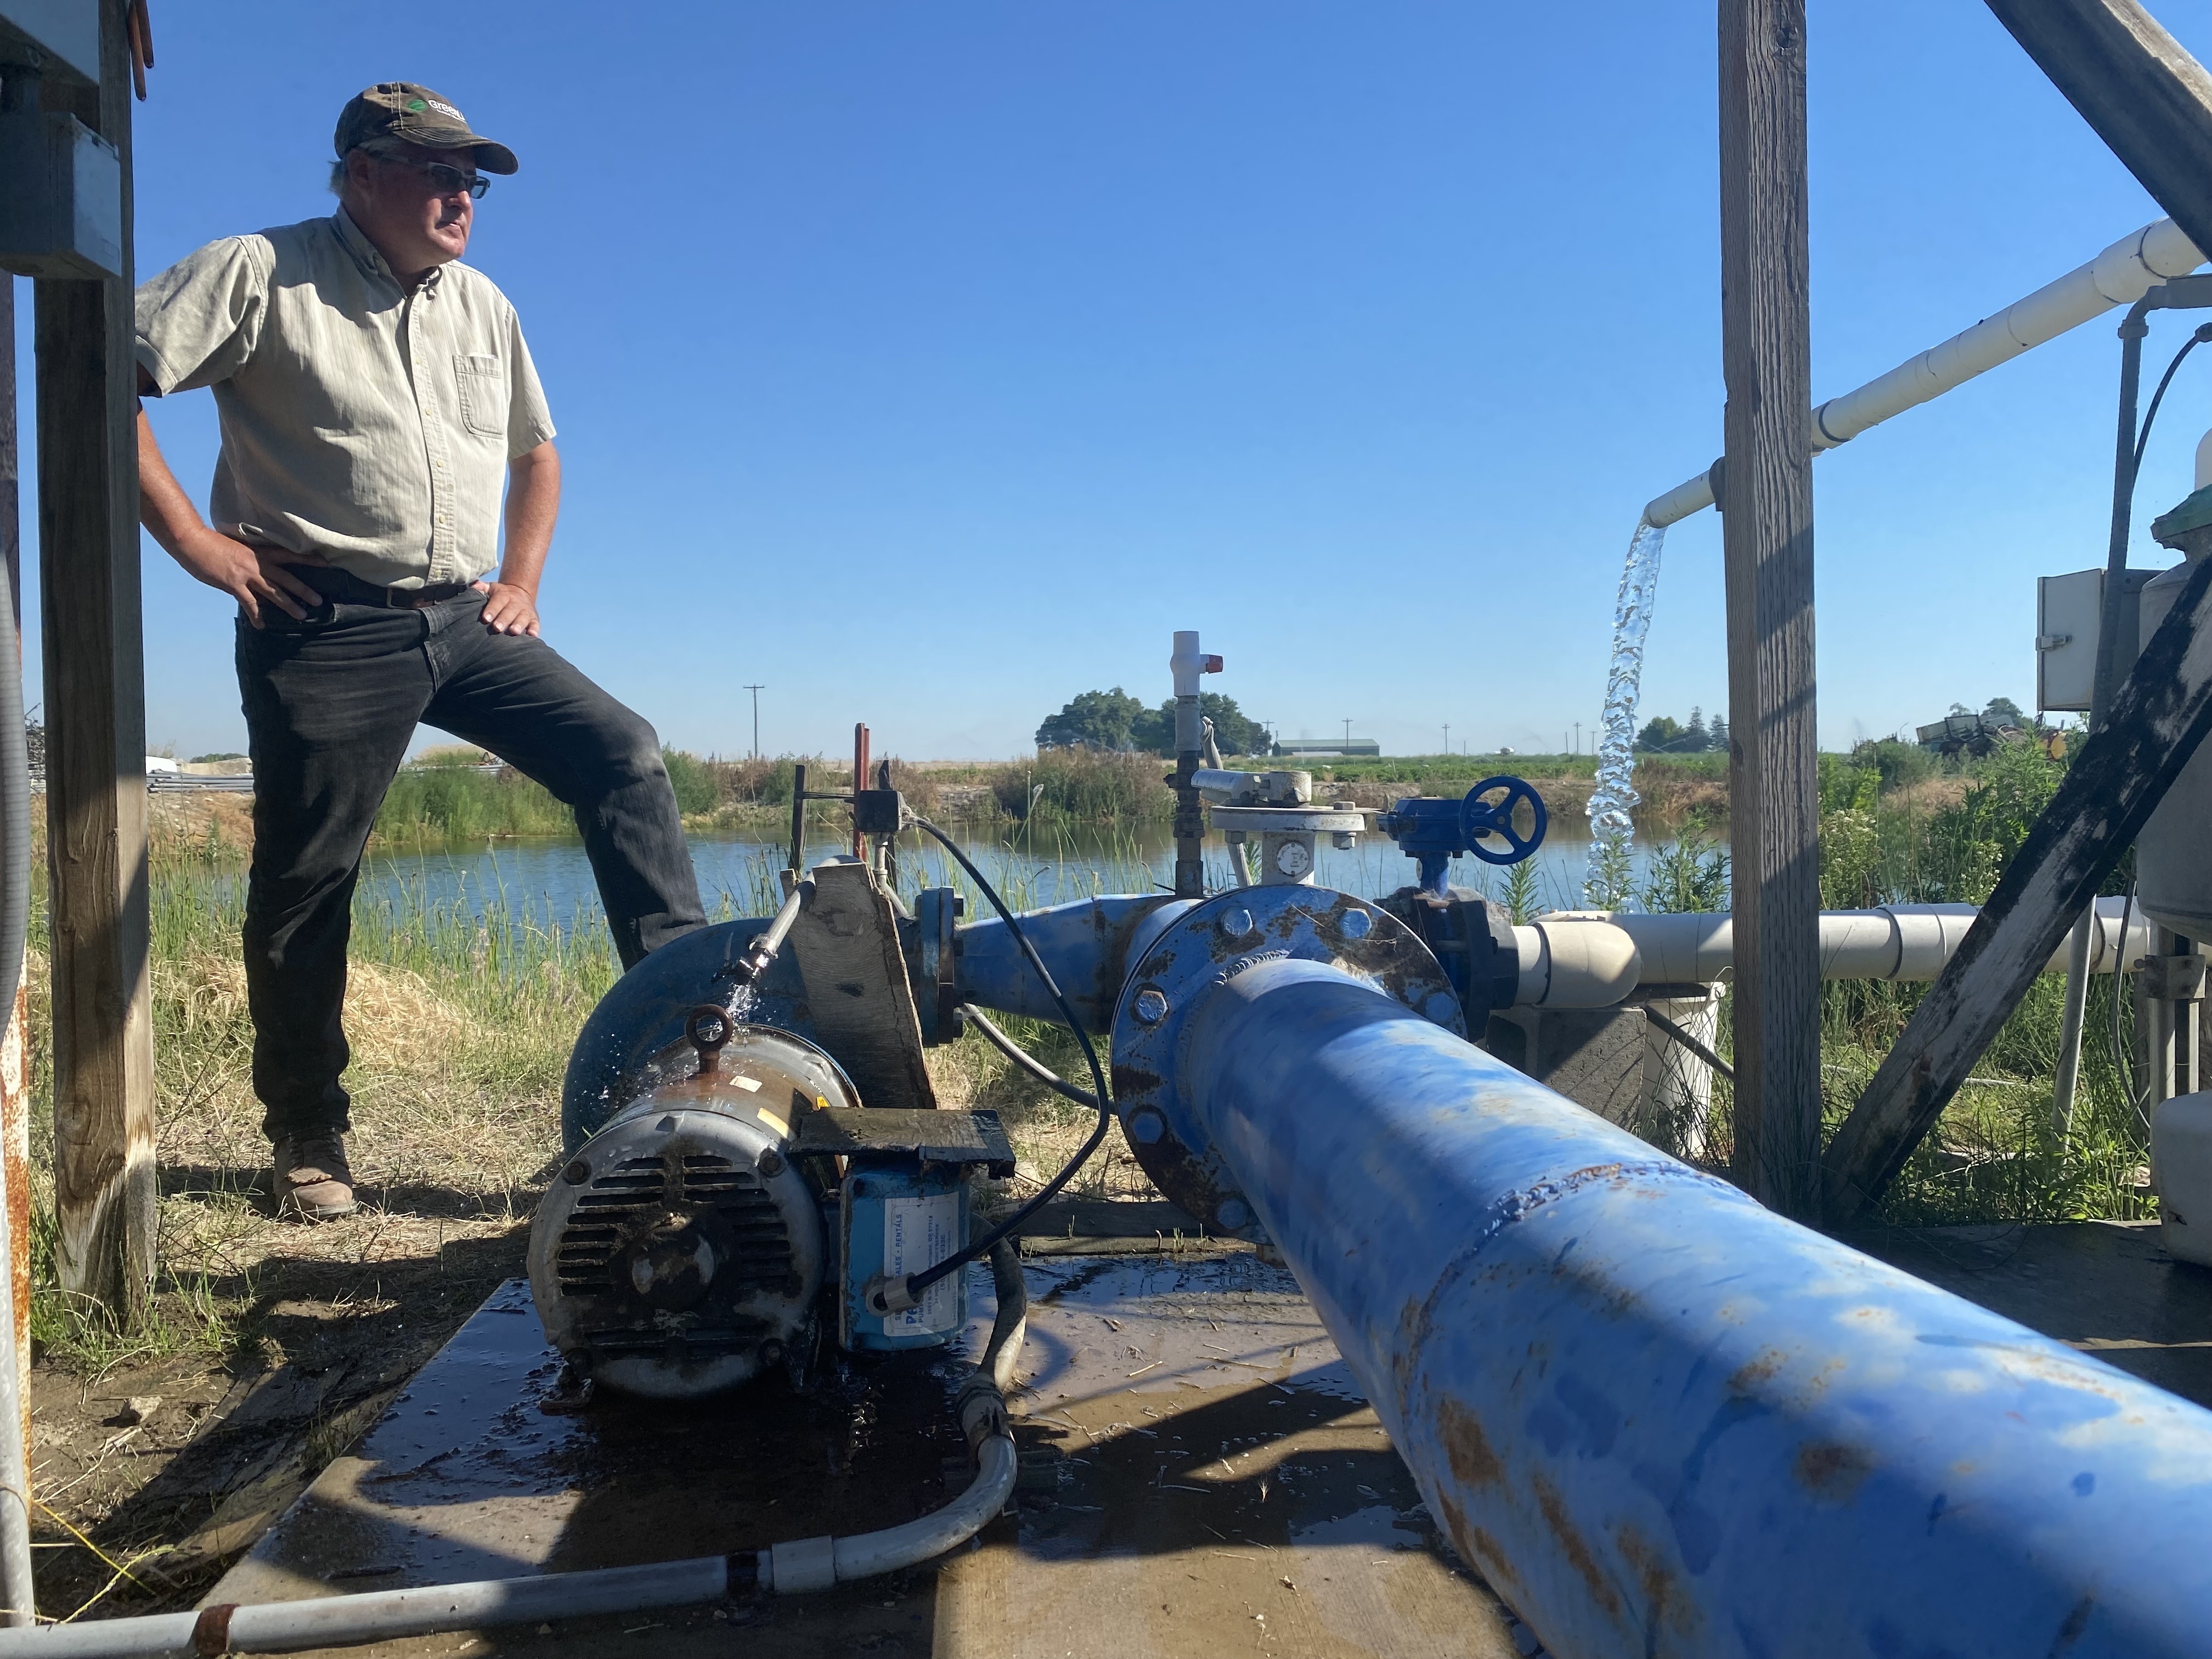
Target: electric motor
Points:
(682, 1249)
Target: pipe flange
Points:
(1207, 946)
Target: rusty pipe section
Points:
(1662, 1420)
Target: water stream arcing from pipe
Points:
(1612, 802)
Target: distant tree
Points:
(1716, 733)
(228, 754)
(2003, 711)
(1094, 719)
(1660, 732)
(1695, 738)
(1235, 732)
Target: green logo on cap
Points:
(416, 106)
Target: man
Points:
(375, 395)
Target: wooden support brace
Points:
(2162, 713)
(2146, 97)
(97, 900)
(1766, 497)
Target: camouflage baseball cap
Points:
(400, 109)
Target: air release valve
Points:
(1432, 830)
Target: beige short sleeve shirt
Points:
(362, 421)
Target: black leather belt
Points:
(346, 588)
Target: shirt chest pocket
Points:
(482, 380)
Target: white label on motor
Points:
(918, 1234)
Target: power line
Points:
(756, 690)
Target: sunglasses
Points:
(446, 179)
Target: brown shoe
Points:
(312, 1179)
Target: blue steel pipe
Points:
(1087, 944)
(1660, 1420)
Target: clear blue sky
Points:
(932, 364)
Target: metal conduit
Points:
(1661, 1419)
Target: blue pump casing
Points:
(897, 1216)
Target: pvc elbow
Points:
(1578, 964)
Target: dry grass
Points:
(1046, 1129)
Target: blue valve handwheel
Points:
(1479, 818)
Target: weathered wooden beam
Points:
(1766, 497)
(2144, 95)
(2159, 716)
(103, 1051)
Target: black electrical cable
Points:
(917, 1283)
(2197, 336)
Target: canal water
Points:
(552, 880)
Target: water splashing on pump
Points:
(1612, 802)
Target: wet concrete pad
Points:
(1203, 1474)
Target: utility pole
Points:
(1579, 737)
(756, 690)
(1766, 497)
(1448, 737)
(1348, 735)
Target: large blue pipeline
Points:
(1660, 1418)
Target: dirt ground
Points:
(156, 1470)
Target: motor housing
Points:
(682, 1249)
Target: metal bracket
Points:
(2173, 979)
(929, 1136)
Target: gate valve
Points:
(1432, 830)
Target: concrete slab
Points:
(1212, 1479)
(2104, 1287)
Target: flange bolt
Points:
(1146, 1128)
(1356, 924)
(1236, 924)
(1151, 1006)
(1234, 1215)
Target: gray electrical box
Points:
(61, 213)
(2068, 612)
(55, 37)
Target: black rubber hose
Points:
(917, 1283)
(1028, 1061)
(2198, 338)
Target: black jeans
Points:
(331, 705)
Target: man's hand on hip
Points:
(255, 576)
(509, 608)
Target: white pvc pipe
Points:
(1896, 941)
(2121, 274)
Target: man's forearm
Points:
(533, 502)
(163, 507)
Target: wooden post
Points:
(1767, 530)
(2158, 717)
(96, 752)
